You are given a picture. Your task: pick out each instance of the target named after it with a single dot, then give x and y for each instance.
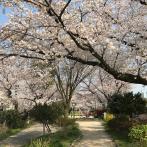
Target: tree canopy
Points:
(107, 34)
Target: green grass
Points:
(62, 138)
(9, 132)
(121, 138)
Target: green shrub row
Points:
(119, 124)
(12, 119)
(134, 133)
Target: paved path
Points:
(94, 135)
(23, 137)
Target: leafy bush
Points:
(121, 123)
(39, 143)
(2, 117)
(108, 116)
(73, 131)
(139, 133)
(127, 104)
(12, 118)
(47, 113)
(3, 129)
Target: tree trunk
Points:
(43, 129)
(66, 109)
(48, 128)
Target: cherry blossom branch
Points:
(19, 55)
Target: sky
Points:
(134, 87)
(139, 88)
(3, 17)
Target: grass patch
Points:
(9, 132)
(62, 138)
(6, 132)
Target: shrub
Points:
(39, 143)
(139, 133)
(3, 129)
(108, 116)
(126, 104)
(2, 117)
(121, 123)
(73, 131)
(12, 118)
(47, 114)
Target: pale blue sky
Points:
(139, 88)
(134, 87)
(3, 17)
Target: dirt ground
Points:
(24, 136)
(94, 135)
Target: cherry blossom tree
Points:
(68, 75)
(25, 83)
(9, 76)
(36, 85)
(106, 34)
(102, 86)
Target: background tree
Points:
(68, 75)
(38, 83)
(9, 77)
(103, 85)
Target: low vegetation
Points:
(53, 114)
(122, 139)
(47, 114)
(12, 119)
(11, 122)
(6, 132)
(139, 133)
(62, 138)
(124, 129)
(127, 104)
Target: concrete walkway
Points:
(23, 137)
(94, 135)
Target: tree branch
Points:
(62, 11)
(142, 2)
